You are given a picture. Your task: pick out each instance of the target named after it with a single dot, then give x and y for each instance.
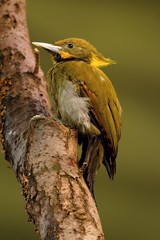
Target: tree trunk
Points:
(42, 152)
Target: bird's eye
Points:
(70, 45)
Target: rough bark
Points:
(43, 153)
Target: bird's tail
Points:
(90, 160)
(109, 159)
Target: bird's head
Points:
(75, 49)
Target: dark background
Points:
(128, 32)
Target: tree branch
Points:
(43, 153)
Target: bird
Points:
(83, 98)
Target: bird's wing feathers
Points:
(105, 107)
(109, 124)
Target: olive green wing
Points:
(105, 113)
(105, 110)
(106, 121)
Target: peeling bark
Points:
(43, 153)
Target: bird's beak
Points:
(48, 46)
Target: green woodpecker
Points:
(83, 98)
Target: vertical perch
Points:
(42, 153)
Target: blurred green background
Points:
(128, 32)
